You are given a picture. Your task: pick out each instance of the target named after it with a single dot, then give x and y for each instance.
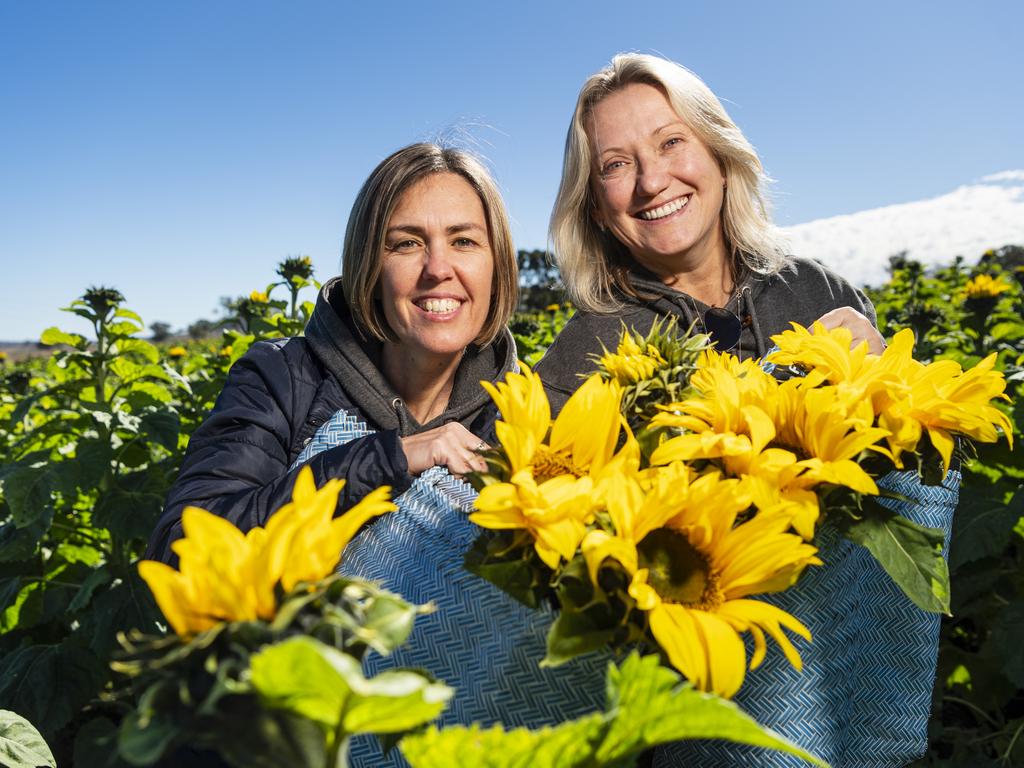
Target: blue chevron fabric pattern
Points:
(862, 699)
(337, 430)
(864, 696)
(479, 640)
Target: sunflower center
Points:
(548, 464)
(678, 571)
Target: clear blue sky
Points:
(179, 150)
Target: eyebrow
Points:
(421, 232)
(655, 132)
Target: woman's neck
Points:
(711, 281)
(424, 383)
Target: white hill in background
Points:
(966, 222)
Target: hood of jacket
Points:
(353, 358)
(670, 301)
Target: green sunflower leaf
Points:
(910, 553)
(648, 705)
(21, 745)
(313, 680)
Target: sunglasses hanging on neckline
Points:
(723, 327)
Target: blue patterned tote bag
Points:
(864, 695)
(480, 641)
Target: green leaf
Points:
(96, 745)
(93, 458)
(10, 588)
(54, 335)
(910, 553)
(127, 313)
(651, 706)
(128, 604)
(387, 622)
(21, 745)
(247, 734)
(1006, 642)
(49, 684)
(21, 543)
(98, 578)
(28, 490)
(139, 347)
(123, 328)
(316, 681)
(648, 705)
(162, 427)
(146, 736)
(566, 746)
(572, 634)
(982, 527)
(128, 514)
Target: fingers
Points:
(452, 446)
(859, 326)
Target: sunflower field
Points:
(93, 431)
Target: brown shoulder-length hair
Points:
(368, 223)
(594, 265)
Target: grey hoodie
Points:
(801, 292)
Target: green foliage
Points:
(92, 436)
(648, 705)
(272, 694)
(978, 708)
(534, 331)
(319, 683)
(910, 553)
(540, 283)
(90, 440)
(21, 746)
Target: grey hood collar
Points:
(671, 302)
(353, 358)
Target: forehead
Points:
(439, 195)
(634, 111)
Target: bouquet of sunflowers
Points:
(263, 668)
(678, 484)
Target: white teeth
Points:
(440, 306)
(665, 210)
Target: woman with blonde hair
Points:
(661, 212)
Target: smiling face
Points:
(436, 269)
(658, 187)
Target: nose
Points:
(437, 262)
(652, 176)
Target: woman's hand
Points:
(858, 325)
(451, 445)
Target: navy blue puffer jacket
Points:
(239, 461)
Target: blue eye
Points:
(403, 245)
(611, 167)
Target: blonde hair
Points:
(368, 223)
(594, 265)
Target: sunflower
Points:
(782, 438)
(552, 466)
(581, 440)
(944, 400)
(986, 287)
(630, 362)
(225, 575)
(692, 571)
